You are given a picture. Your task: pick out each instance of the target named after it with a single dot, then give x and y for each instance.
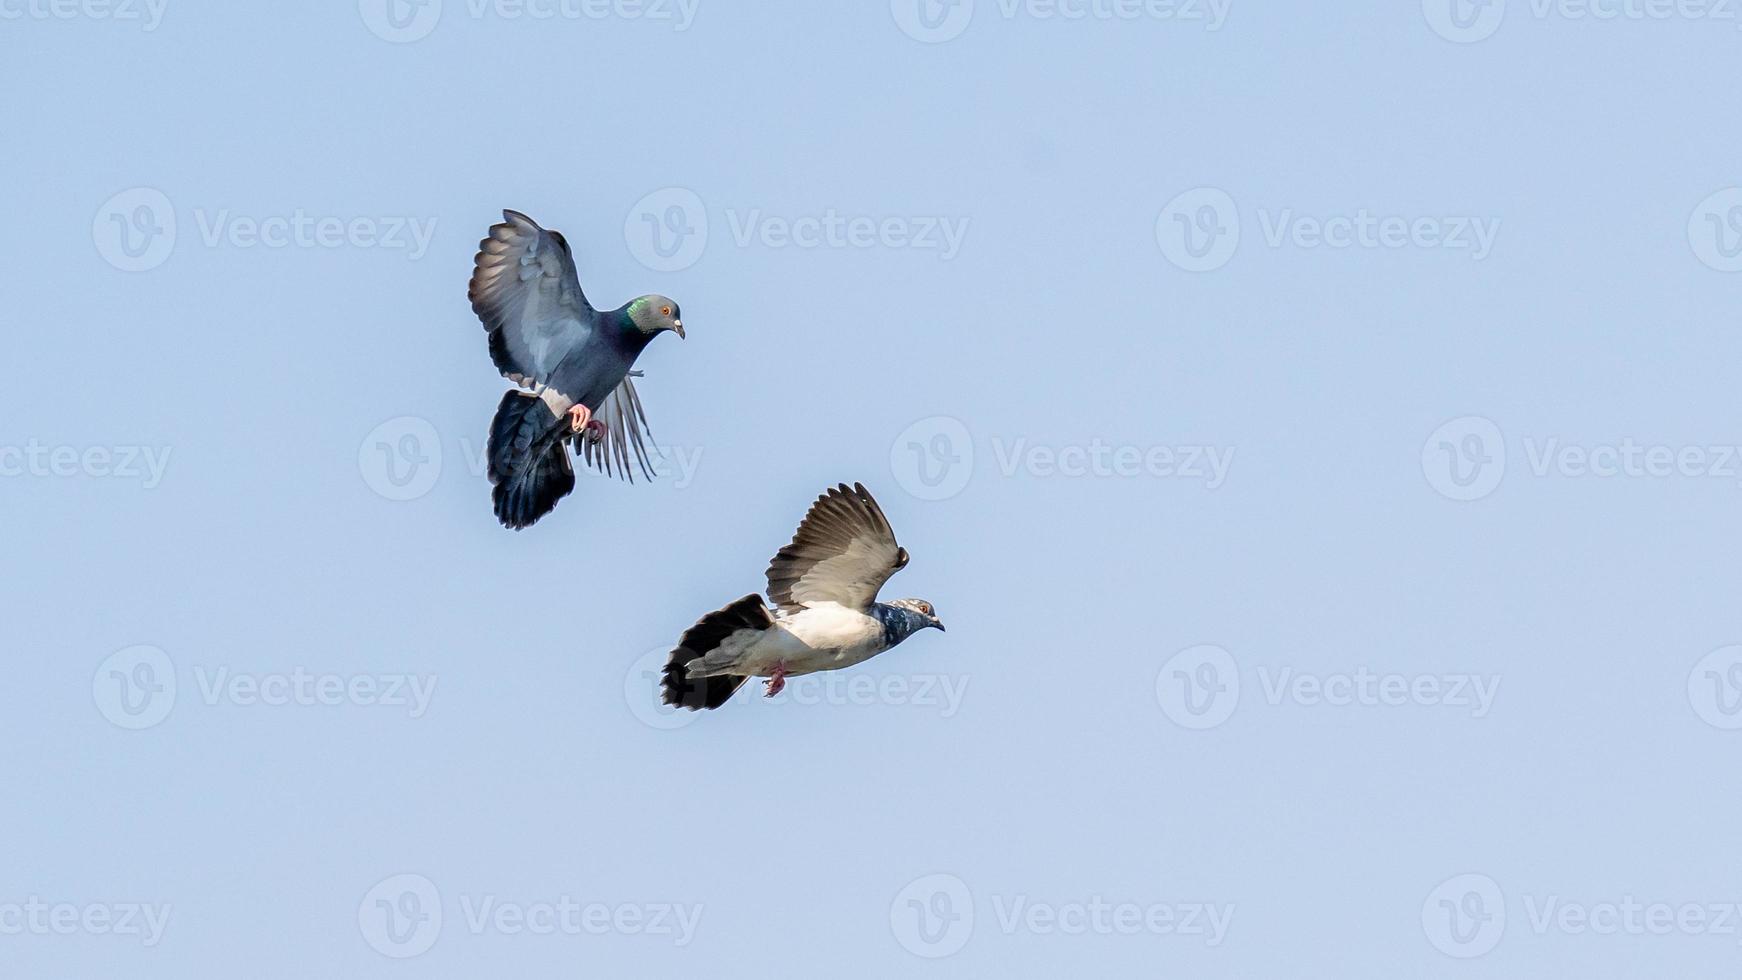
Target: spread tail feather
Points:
(528, 460)
(678, 688)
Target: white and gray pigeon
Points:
(576, 364)
(824, 587)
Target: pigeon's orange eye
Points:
(665, 311)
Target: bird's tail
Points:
(528, 460)
(680, 689)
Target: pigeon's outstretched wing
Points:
(843, 552)
(625, 426)
(525, 289)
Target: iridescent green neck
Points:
(624, 316)
(624, 319)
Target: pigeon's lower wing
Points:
(843, 552)
(625, 435)
(525, 290)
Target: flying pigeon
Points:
(574, 362)
(824, 586)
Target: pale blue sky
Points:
(1343, 469)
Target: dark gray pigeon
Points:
(574, 362)
(824, 587)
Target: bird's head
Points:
(653, 313)
(927, 614)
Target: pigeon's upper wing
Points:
(525, 289)
(625, 426)
(843, 552)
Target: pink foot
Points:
(776, 683)
(580, 416)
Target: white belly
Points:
(822, 637)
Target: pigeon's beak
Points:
(939, 624)
(678, 326)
